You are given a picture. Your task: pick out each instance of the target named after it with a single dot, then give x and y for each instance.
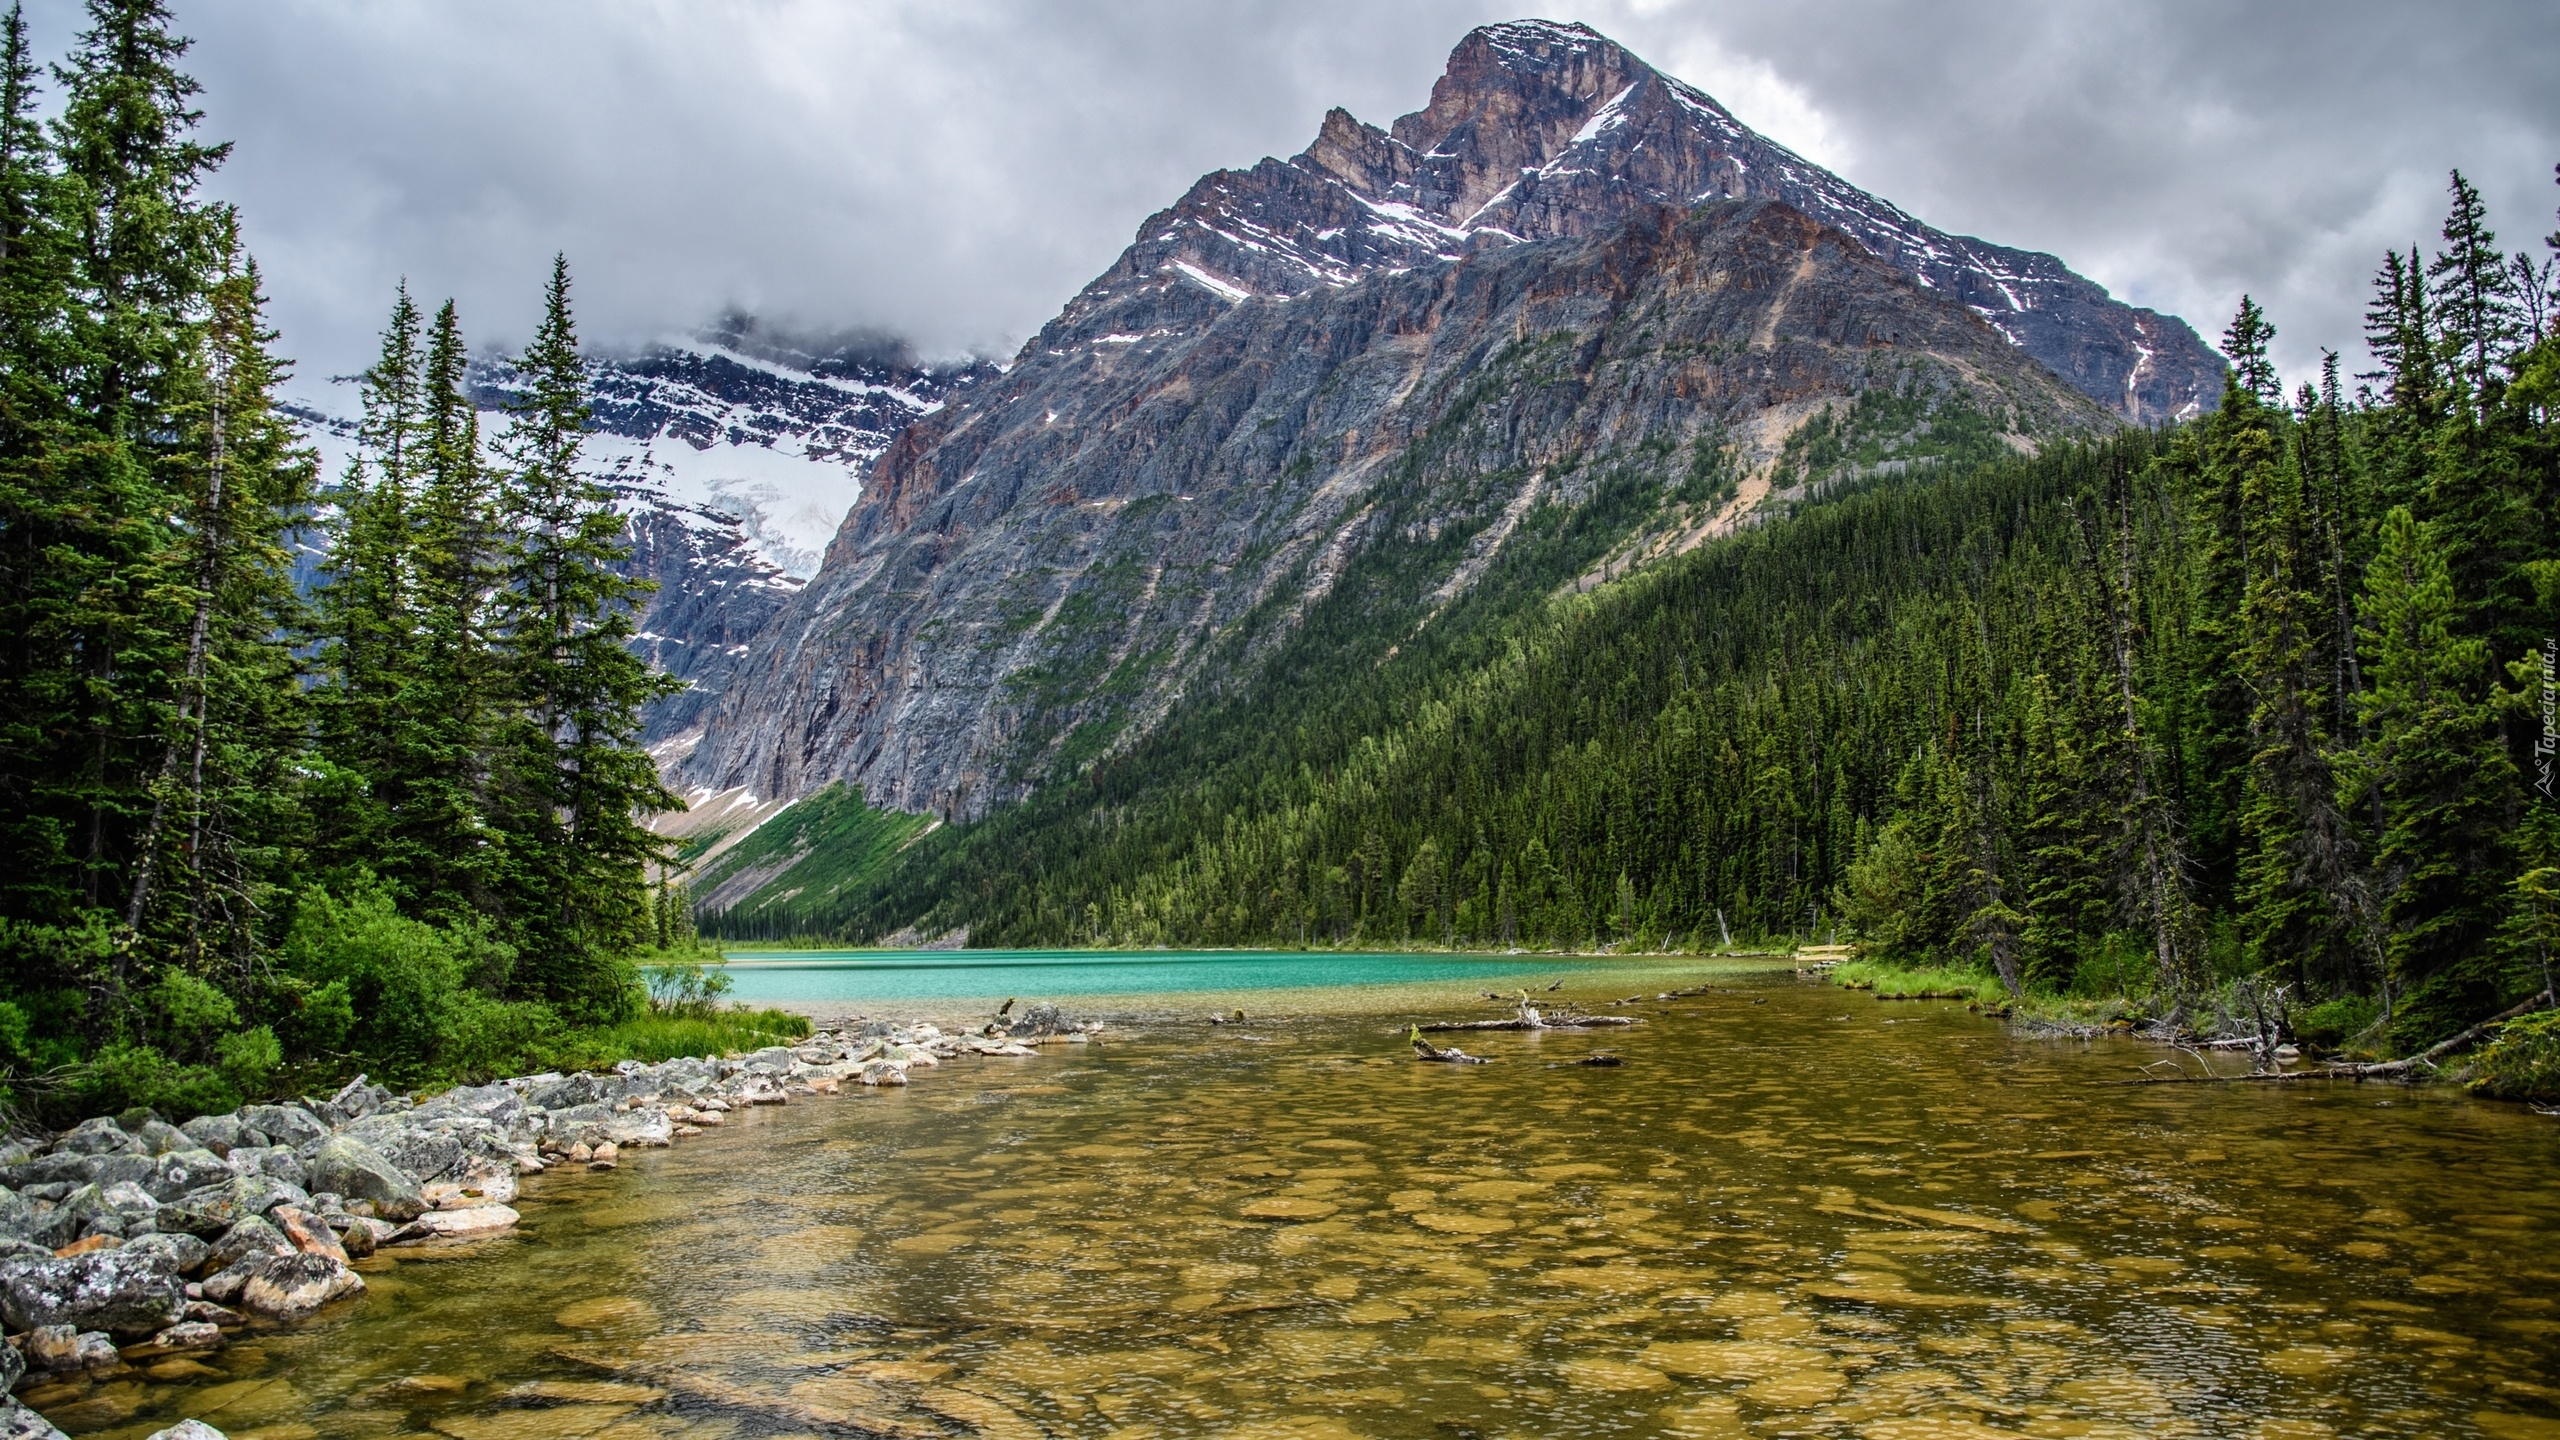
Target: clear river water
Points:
(1792, 1211)
(887, 977)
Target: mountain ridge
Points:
(1194, 446)
(1518, 144)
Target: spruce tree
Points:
(39, 514)
(2297, 850)
(2245, 342)
(460, 691)
(2213, 464)
(579, 784)
(2400, 331)
(223, 805)
(2473, 295)
(2068, 812)
(110, 643)
(366, 608)
(2434, 769)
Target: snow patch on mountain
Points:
(786, 501)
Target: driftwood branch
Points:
(1542, 1022)
(2443, 1048)
(2375, 1070)
(1425, 1050)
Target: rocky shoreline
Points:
(129, 1241)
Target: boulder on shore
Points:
(176, 1172)
(470, 1223)
(291, 1287)
(216, 1208)
(17, 1422)
(217, 1133)
(125, 1293)
(185, 1252)
(65, 1350)
(359, 1172)
(284, 1124)
(307, 1233)
(649, 1127)
(255, 1235)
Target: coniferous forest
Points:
(255, 832)
(2262, 699)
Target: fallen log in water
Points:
(1425, 1050)
(2377, 1070)
(1561, 1022)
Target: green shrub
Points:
(2114, 964)
(402, 984)
(590, 987)
(123, 1076)
(2523, 1063)
(1887, 898)
(248, 1057)
(15, 1053)
(189, 1013)
(497, 1037)
(653, 1038)
(686, 982)
(2332, 1023)
(316, 1018)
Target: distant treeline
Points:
(2258, 694)
(393, 823)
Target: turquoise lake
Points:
(887, 976)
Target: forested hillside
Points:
(253, 836)
(2262, 694)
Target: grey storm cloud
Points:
(951, 171)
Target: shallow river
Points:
(1791, 1212)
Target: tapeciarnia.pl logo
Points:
(2543, 748)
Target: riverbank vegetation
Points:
(2250, 698)
(261, 831)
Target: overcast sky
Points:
(951, 170)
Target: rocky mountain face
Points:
(1539, 130)
(736, 456)
(1567, 264)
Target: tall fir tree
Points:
(2414, 398)
(106, 644)
(223, 819)
(2298, 853)
(2473, 295)
(365, 606)
(2481, 471)
(2433, 768)
(578, 780)
(460, 685)
(40, 575)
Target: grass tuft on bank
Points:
(652, 1038)
(1921, 982)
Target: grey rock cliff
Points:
(1034, 573)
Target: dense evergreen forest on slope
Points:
(254, 837)
(2262, 695)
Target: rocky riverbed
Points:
(132, 1241)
